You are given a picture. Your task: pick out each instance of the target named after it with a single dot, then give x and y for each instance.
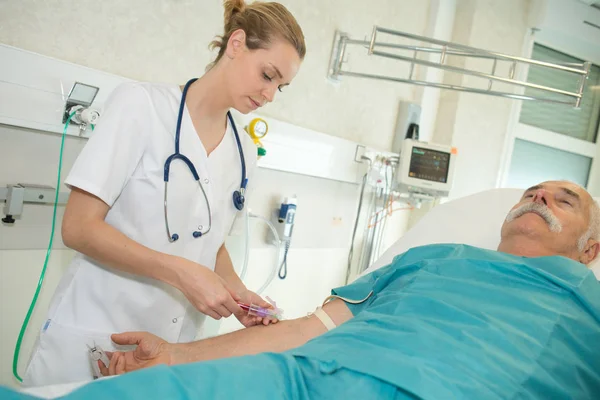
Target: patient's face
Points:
(551, 215)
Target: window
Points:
(533, 163)
(578, 123)
(554, 141)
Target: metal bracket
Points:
(337, 56)
(15, 195)
(359, 152)
(375, 46)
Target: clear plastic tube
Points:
(276, 264)
(247, 251)
(273, 272)
(15, 365)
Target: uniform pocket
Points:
(62, 354)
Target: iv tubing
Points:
(276, 264)
(247, 251)
(351, 252)
(43, 273)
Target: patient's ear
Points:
(590, 253)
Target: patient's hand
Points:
(151, 350)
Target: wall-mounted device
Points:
(78, 102)
(80, 95)
(257, 129)
(283, 220)
(407, 125)
(14, 196)
(426, 168)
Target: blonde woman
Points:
(154, 194)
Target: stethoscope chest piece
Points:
(238, 200)
(238, 195)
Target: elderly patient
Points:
(440, 322)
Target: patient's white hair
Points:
(593, 231)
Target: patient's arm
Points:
(279, 337)
(282, 336)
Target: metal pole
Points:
(480, 51)
(582, 81)
(373, 38)
(477, 73)
(453, 87)
(493, 73)
(412, 66)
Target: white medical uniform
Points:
(123, 165)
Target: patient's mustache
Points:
(539, 209)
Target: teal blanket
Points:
(443, 322)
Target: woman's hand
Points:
(249, 297)
(206, 290)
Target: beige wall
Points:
(160, 40)
(477, 125)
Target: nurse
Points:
(154, 194)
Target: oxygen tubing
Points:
(43, 273)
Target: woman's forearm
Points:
(85, 230)
(106, 244)
(224, 268)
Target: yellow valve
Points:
(257, 129)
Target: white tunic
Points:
(123, 164)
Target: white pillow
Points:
(474, 220)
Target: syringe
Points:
(263, 312)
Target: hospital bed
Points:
(473, 220)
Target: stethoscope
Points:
(238, 195)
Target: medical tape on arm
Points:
(325, 318)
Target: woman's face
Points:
(255, 76)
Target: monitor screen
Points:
(429, 164)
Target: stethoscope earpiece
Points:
(197, 234)
(174, 237)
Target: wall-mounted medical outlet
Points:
(80, 95)
(283, 219)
